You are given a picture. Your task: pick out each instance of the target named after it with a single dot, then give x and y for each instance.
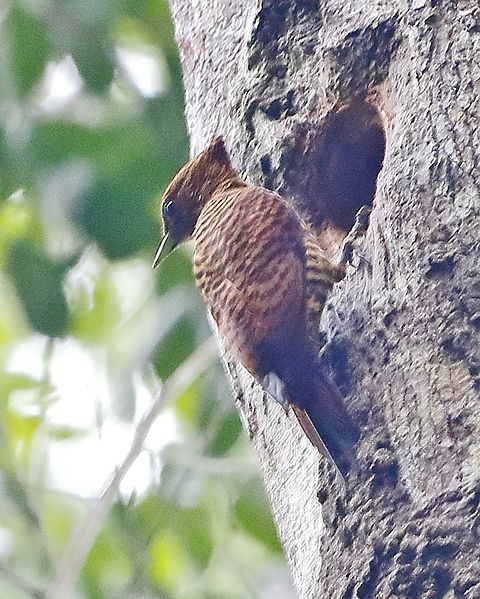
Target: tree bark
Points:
(336, 104)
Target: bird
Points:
(265, 280)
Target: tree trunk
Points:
(336, 104)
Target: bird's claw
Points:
(359, 227)
(363, 215)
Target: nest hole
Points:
(331, 169)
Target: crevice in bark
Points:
(331, 169)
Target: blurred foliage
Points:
(91, 131)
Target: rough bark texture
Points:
(311, 97)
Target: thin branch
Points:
(18, 583)
(83, 536)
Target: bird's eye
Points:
(168, 209)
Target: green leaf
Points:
(190, 526)
(21, 429)
(107, 567)
(153, 511)
(176, 347)
(58, 514)
(195, 531)
(254, 517)
(175, 270)
(16, 219)
(94, 60)
(187, 403)
(13, 325)
(215, 399)
(110, 148)
(116, 214)
(135, 8)
(182, 548)
(8, 178)
(16, 491)
(157, 19)
(65, 433)
(226, 434)
(38, 281)
(30, 48)
(94, 321)
(13, 382)
(170, 565)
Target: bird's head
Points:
(188, 193)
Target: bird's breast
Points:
(249, 263)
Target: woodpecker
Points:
(265, 280)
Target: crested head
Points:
(192, 187)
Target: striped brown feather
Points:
(321, 275)
(250, 266)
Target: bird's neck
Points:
(229, 183)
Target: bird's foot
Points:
(359, 227)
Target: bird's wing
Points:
(250, 266)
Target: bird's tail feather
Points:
(321, 412)
(296, 378)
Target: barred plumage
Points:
(232, 249)
(265, 280)
(321, 276)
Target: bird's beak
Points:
(165, 247)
